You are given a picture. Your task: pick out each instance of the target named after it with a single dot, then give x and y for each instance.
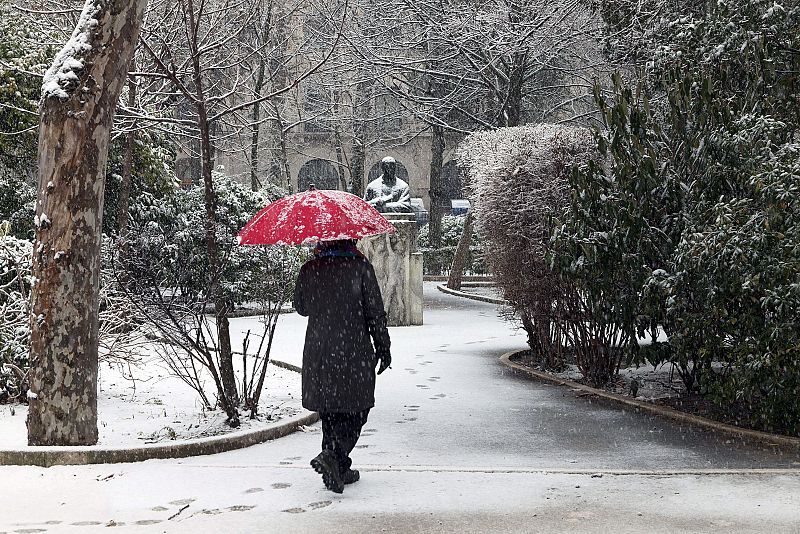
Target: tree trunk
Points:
(436, 187)
(285, 175)
(340, 159)
(255, 183)
(123, 205)
(512, 109)
(76, 118)
(462, 254)
(358, 159)
(229, 395)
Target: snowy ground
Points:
(456, 443)
(145, 404)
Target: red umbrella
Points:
(315, 215)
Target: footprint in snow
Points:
(320, 504)
(182, 502)
(240, 507)
(148, 522)
(294, 511)
(254, 490)
(280, 485)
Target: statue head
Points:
(389, 169)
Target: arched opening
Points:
(321, 173)
(375, 171)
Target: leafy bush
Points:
(705, 186)
(15, 287)
(20, 89)
(153, 173)
(17, 197)
(437, 261)
(175, 226)
(165, 271)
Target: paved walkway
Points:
(456, 443)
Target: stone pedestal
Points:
(398, 267)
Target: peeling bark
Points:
(75, 124)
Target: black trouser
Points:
(340, 433)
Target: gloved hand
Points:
(384, 360)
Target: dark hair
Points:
(338, 244)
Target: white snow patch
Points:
(157, 407)
(62, 73)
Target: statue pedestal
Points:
(398, 267)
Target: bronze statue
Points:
(388, 193)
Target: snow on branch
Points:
(62, 76)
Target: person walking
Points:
(338, 291)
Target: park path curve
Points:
(447, 402)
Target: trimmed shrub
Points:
(519, 183)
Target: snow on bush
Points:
(168, 277)
(700, 201)
(15, 286)
(518, 179)
(437, 261)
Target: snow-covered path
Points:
(455, 444)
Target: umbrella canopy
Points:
(311, 216)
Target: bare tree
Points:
(463, 66)
(79, 99)
(208, 70)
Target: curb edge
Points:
(50, 456)
(444, 289)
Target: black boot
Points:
(350, 476)
(326, 465)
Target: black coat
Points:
(341, 297)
